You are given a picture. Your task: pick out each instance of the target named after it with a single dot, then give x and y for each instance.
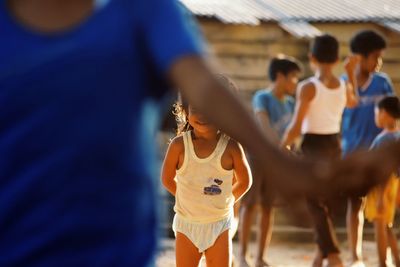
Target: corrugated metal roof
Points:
(335, 10)
(300, 29)
(254, 11)
(393, 25)
(231, 11)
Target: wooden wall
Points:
(243, 52)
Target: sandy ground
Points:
(280, 254)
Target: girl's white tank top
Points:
(204, 187)
(326, 109)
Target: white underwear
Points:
(202, 235)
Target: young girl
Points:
(198, 170)
(381, 200)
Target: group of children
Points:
(208, 172)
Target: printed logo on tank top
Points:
(214, 189)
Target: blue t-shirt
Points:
(358, 124)
(385, 138)
(75, 187)
(279, 112)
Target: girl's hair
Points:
(181, 113)
(181, 107)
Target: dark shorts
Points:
(322, 147)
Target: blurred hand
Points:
(354, 175)
(351, 63)
(360, 171)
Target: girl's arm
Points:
(243, 179)
(304, 98)
(351, 65)
(170, 164)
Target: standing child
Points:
(198, 170)
(358, 128)
(273, 109)
(381, 201)
(321, 100)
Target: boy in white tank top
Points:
(199, 170)
(320, 103)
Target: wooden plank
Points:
(217, 31)
(396, 86)
(392, 69)
(249, 67)
(244, 66)
(239, 49)
(297, 49)
(392, 52)
(251, 85)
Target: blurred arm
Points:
(198, 84)
(304, 98)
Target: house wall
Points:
(243, 52)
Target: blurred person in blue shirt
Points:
(358, 125)
(273, 108)
(75, 127)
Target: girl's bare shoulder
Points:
(234, 147)
(177, 144)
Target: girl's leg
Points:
(393, 246)
(381, 240)
(187, 254)
(220, 254)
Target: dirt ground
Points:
(280, 254)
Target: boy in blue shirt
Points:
(358, 126)
(273, 109)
